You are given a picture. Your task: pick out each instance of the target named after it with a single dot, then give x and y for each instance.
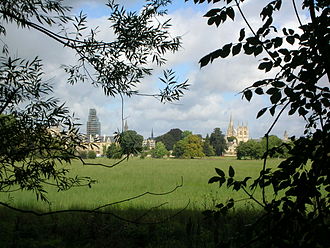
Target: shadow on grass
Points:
(188, 229)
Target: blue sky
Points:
(213, 95)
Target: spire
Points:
(285, 136)
(126, 126)
(152, 133)
(230, 130)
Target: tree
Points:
(28, 111)
(160, 150)
(185, 134)
(218, 142)
(114, 151)
(189, 147)
(208, 149)
(298, 213)
(170, 138)
(273, 143)
(251, 149)
(91, 154)
(131, 142)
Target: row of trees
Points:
(255, 149)
(185, 144)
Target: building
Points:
(93, 125)
(125, 126)
(234, 136)
(150, 143)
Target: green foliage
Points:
(91, 154)
(231, 138)
(160, 151)
(251, 149)
(218, 141)
(29, 149)
(254, 149)
(130, 142)
(297, 215)
(83, 154)
(189, 147)
(170, 138)
(185, 134)
(114, 151)
(208, 149)
(274, 144)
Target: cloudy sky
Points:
(214, 92)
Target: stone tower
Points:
(242, 133)
(231, 130)
(93, 124)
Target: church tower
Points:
(242, 133)
(231, 130)
(126, 126)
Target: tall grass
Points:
(137, 176)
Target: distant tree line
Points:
(255, 149)
(185, 144)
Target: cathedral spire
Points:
(230, 130)
(126, 126)
(152, 133)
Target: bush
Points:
(91, 154)
(83, 154)
(160, 150)
(114, 151)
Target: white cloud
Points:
(209, 103)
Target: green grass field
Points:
(136, 176)
(187, 229)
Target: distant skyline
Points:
(214, 92)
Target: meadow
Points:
(187, 228)
(136, 176)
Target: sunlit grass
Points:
(137, 176)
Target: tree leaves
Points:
(231, 171)
(248, 94)
(220, 172)
(222, 52)
(261, 112)
(267, 66)
(217, 16)
(237, 49)
(241, 35)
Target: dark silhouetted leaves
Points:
(237, 49)
(214, 179)
(230, 12)
(220, 172)
(205, 60)
(248, 94)
(231, 171)
(261, 112)
(241, 35)
(276, 97)
(259, 91)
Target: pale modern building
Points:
(93, 124)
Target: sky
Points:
(214, 94)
